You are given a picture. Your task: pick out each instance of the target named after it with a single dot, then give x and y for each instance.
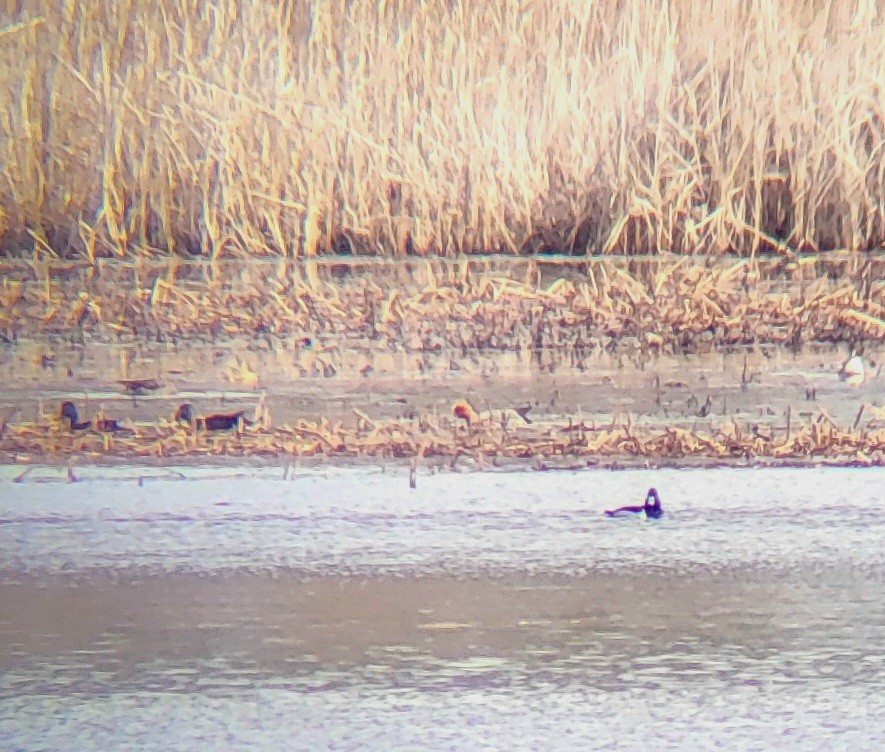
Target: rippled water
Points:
(208, 608)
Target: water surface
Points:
(216, 608)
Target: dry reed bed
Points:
(144, 127)
(673, 303)
(495, 436)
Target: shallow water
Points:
(217, 608)
(758, 385)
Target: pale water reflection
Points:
(342, 610)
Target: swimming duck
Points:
(70, 414)
(651, 507)
(210, 422)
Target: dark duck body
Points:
(108, 425)
(70, 414)
(651, 507)
(223, 422)
(138, 387)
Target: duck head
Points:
(653, 503)
(69, 412)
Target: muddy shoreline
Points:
(673, 411)
(605, 362)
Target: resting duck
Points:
(185, 414)
(652, 507)
(139, 387)
(70, 414)
(852, 370)
(463, 410)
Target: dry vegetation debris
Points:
(484, 438)
(663, 304)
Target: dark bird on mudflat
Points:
(218, 422)
(651, 507)
(704, 410)
(138, 387)
(70, 414)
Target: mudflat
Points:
(657, 359)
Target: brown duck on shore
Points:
(218, 422)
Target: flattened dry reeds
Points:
(664, 304)
(138, 127)
(487, 437)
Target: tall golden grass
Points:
(291, 128)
